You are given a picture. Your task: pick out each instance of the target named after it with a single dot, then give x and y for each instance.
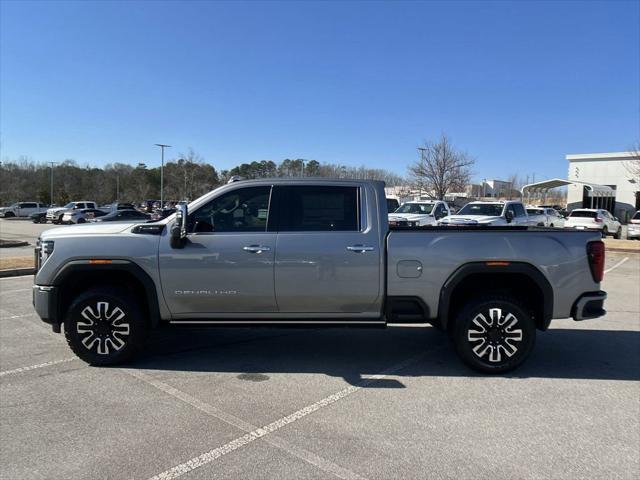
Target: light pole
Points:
(52, 164)
(162, 147)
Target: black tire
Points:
(82, 220)
(618, 234)
(494, 334)
(105, 326)
(9, 215)
(605, 232)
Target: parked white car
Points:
(22, 209)
(419, 213)
(633, 229)
(594, 219)
(545, 217)
(54, 215)
(510, 212)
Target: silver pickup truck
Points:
(313, 252)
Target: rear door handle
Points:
(360, 248)
(256, 248)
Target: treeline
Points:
(186, 178)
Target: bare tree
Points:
(441, 168)
(633, 166)
(514, 186)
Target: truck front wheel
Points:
(494, 335)
(104, 326)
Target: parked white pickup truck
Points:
(419, 213)
(54, 215)
(489, 213)
(22, 209)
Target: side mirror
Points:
(179, 229)
(509, 216)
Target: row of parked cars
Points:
(510, 212)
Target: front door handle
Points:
(256, 248)
(360, 248)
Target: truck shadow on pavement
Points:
(353, 354)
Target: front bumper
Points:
(588, 306)
(45, 303)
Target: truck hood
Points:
(86, 229)
(408, 216)
(57, 210)
(469, 219)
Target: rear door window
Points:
(318, 208)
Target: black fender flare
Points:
(75, 266)
(497, 268)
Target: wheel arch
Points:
(78, 275)
(521, 280)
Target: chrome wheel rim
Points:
(103, 329)
(495, 336)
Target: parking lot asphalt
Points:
(323, 403)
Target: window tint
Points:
(519, 209)
(241, 210)
(493, 209)
(583, 214)
(419, 208)
(315, 208)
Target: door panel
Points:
(227, 263)
(213, 273)
(315, 273)
(327, 257)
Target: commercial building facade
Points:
(604, 180)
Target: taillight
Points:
(595, 252)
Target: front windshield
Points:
(69, 205)
(637, 215)
(535, 211)
(488, 209)
(420, 208)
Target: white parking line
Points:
(33, 367)
(255, 434)
(15, 291)
(617, 265)
(309, 457)
(17, 316)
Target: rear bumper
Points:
(588, 306)
(45, 303)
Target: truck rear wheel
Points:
(494, 335)
(105, 326)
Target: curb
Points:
(622, 250)
(12, 244)
(16, 272)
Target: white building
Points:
(603, 180)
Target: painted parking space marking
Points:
(616, 265)
(15, 291)
(34, 367)
(11, 317)
(309, 457)
(212, 455)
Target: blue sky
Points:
(516, 84)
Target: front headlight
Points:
(46, 249)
